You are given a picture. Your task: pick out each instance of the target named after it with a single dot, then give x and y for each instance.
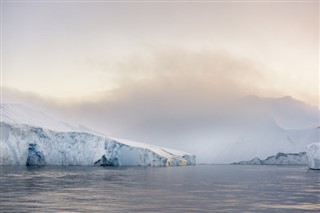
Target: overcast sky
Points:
(78, 51)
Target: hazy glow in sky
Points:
(79, 50)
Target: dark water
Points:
(214, 188)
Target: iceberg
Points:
(34, 146)
(313, 152)
(278, 159)
(24, 143)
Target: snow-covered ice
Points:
(32, 138)
(313, 152)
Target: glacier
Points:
(313, 152)
(22, 142)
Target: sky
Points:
(71, 51)
(140, 70)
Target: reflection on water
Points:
(214, 188)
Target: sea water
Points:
(202, 188)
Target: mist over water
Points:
(216, 132)
(212, 188)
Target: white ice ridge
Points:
(313, 152)
(23, 144)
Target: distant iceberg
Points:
(278, 159)
(313, 152)
(23, 142)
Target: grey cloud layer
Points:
(174, 82)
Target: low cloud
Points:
(172, 84)
(161, 95)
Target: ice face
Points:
(34, 146)
(313, 152)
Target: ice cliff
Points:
(313, 152)
(24, 143)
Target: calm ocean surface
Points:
(207, 188)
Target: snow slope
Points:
(22, 114)
(29, 137)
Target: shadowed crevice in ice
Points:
(103, 161)
(35, 157)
